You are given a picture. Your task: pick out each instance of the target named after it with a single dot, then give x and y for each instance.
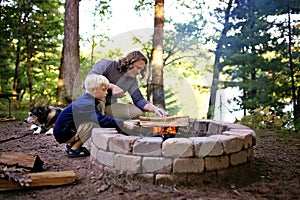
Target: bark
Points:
(29, 70)
(60, 79)
(155, 89)
(71, 46)
(295, 106)
(216, 71)
(16, 76)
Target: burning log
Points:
(165, 132)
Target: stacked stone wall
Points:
(219, 150)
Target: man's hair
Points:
(126, 62)
(95, 81)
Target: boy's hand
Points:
(129, 125)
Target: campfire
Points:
(164, 127)
(164, 132)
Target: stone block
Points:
(147, 146)
(231, 126)
(238, 158)
(246, 131)
(200, 127)
(101, 140)
(188, 165)
(156, 165)
(122, 144)
(164, 179)
(215, 128)
(231, 143)
(207, 146)
(127, 163)
(144, 178)
(94, 151)
(177, 147)
(250, 153)
(106, 158)
(217, 162)
(246, 136)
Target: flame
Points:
(164, 130)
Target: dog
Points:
(43, 118)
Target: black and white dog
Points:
(43, 118)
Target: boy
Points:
(75, 123)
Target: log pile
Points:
(20, 170)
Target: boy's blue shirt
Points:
(82, 110)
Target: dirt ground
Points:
(276, 167)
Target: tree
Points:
(71, 46)
(217, 68)
(155, 89)
(258, 52)
(30, 31)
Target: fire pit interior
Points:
(163, 127)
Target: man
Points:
(122, 75)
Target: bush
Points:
(264, 118)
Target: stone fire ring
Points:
(220, 152)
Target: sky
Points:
(124, 18)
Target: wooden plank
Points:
(28, 161)
(164, 122)
(41, 179)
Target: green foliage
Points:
(172, 105)
(255, 53)
(266, 118)
(32, 40)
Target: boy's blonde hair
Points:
(95, 81)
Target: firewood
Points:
(29, 161)
(164, 122)
(41, 179)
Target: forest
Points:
(248, 45)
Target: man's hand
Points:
(160, 112)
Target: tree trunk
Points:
(60, 79)
(29, 70)
(16, 76)
(216, 70)
(296, 111)
(71, 46)
(155, 89)
(295, 106)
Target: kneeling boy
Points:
(75, 123)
